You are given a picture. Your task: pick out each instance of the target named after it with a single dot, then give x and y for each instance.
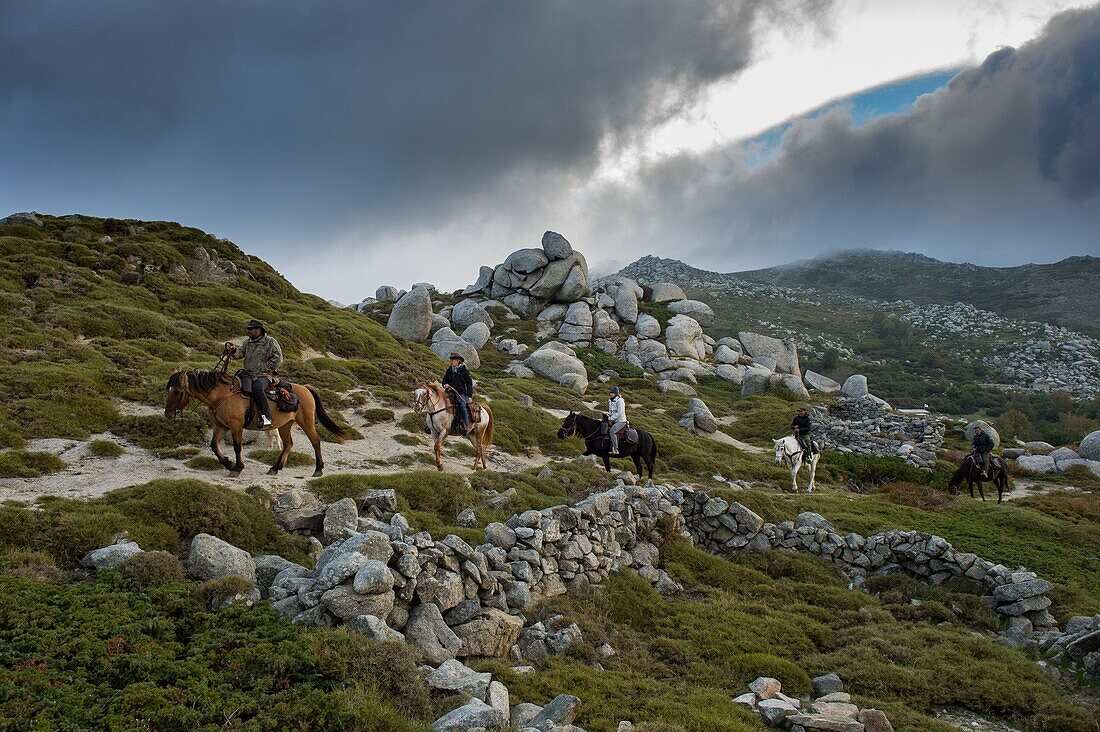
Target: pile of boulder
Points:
(1042, 457)
(528, 279)
(831, 710)
(1078, 645)
(865, 425)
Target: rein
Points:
(575, 431)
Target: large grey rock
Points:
(698, 311)
(783, 352)
(467, 312)
(854, 386)
(577, 325)
(684, 337)
(372, 578)
(790, 383)
(473, 715)
(386, 293)
(986, 427)
(733, 374)
(268, 567)
(555, 246)
(526, 261)
(376, 629)
(347, 604)
(455, 677)
(626, 302)
(341, 520)
(775, 710)
(647, 326)
(825, 684)
(1037, 463)
(110, 556)
(666, 292)
(754, 383)
(484, 280)
(703, 418)
(554, 364)
(822, 723)
(874, 720)
(1038, 447)
(604, 326)
(1063, 454)
(765, 687)
(821, 383)
(725, 354)
(445, 342)
(1019, 590)
(477, 335)
(492, 633)
(427, 632)
(411, 317)
(298, 510)
(679, 387)
(1089, 448)
(211, 558)
(561, 710)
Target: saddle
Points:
(472, 407)
(279, 391)
(627, 434)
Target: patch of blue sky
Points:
(863, 107)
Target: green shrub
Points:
(412, 422)
(29, 565)
(408, 440)
(153, 432)
(293, 459)
(377, 415)
(27, 464)
(150, 569)
(105, 449)
(204, 462)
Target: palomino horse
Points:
(430, 401)
(228, 405)
(971, 473)
(789, 452)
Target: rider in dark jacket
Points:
(983, 446)
(801, 426)
(458, 381)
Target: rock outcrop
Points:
(411, 317)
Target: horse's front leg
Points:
(980, 491)
(238, 443)
(215, 445)
(813, 474)
(970, 485)
(438, 445)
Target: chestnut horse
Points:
(228, 405)
(429, 400)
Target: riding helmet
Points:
(614, 390)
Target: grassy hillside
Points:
(101, 308)
(140, 648)
(1046, 292)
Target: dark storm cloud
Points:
(1000, 167)
(277, 121)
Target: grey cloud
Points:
(1000, 167)
(278, 123)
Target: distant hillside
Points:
(1044, 292)
(99, 308)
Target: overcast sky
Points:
(358, 144)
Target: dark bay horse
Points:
(228, 405)
(971, 473)
(596, 443)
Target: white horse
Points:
(789, 452)
(429, 400)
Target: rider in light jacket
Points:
(616, 415)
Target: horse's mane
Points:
(433, 386)
(203, 380)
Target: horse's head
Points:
(780, 449)
(179, 394)
(568, 427)
(420, 398)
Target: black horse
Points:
(597, 443)
(972, 473)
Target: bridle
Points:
(421, 403)
(573, 431)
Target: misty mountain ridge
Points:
(1040, 292)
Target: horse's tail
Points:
(487, 436)
(323, 418)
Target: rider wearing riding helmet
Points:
(802, 427)
(262, 356)
(461, 384)
(616, 415)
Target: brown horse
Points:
(438, 411)
(228, 405)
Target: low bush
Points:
(29, 565)
(152, 432)
(923, 497)
(28, 464)
(293, 459)
(377, 415)
(105, 449)
(150, 569)
(204, 462)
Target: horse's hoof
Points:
(234, 473)
(273, 471)
(318, 473)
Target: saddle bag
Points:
(631, 435)
(475, 411)
(286, 400)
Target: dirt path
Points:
(88, 476)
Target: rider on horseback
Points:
(801, 426)
(461, 385)
(616, 416)
(983, 447)
(262, 358)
